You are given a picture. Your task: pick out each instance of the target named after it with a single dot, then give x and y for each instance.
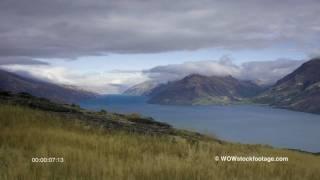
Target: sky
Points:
(108, 46)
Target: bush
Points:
(75, 106)
(25, 95)
(5, 93)
(102, 111)
(134, 116)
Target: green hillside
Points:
(105, 150)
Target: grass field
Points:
(94, 153)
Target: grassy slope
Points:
(92, 153)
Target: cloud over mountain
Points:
(101, 82)
(265, 72)
(113, 82)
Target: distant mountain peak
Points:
(142, 89)
(200, 89)
(191, 76)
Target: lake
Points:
(251, 124)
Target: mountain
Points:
(142, 89)
(299, 90)
(16, 83)
(198, 89)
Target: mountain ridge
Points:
(200, 89)
(15, 83)
(299, 90)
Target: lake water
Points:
(252, 124)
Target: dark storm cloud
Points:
(20, 61)
(74, 28)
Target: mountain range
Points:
(15, 83)
(299, 90)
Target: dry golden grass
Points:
(91, 153)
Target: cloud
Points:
(20, 60)
(315, 53)
(116, 81)
(177, 71)
(264, 72)
(103, 82)
(76, 28)
(268, 72)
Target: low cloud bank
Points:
(263, 72)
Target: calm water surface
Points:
(252, 124)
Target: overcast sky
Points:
(108, 45)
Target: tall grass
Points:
(91, 153)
